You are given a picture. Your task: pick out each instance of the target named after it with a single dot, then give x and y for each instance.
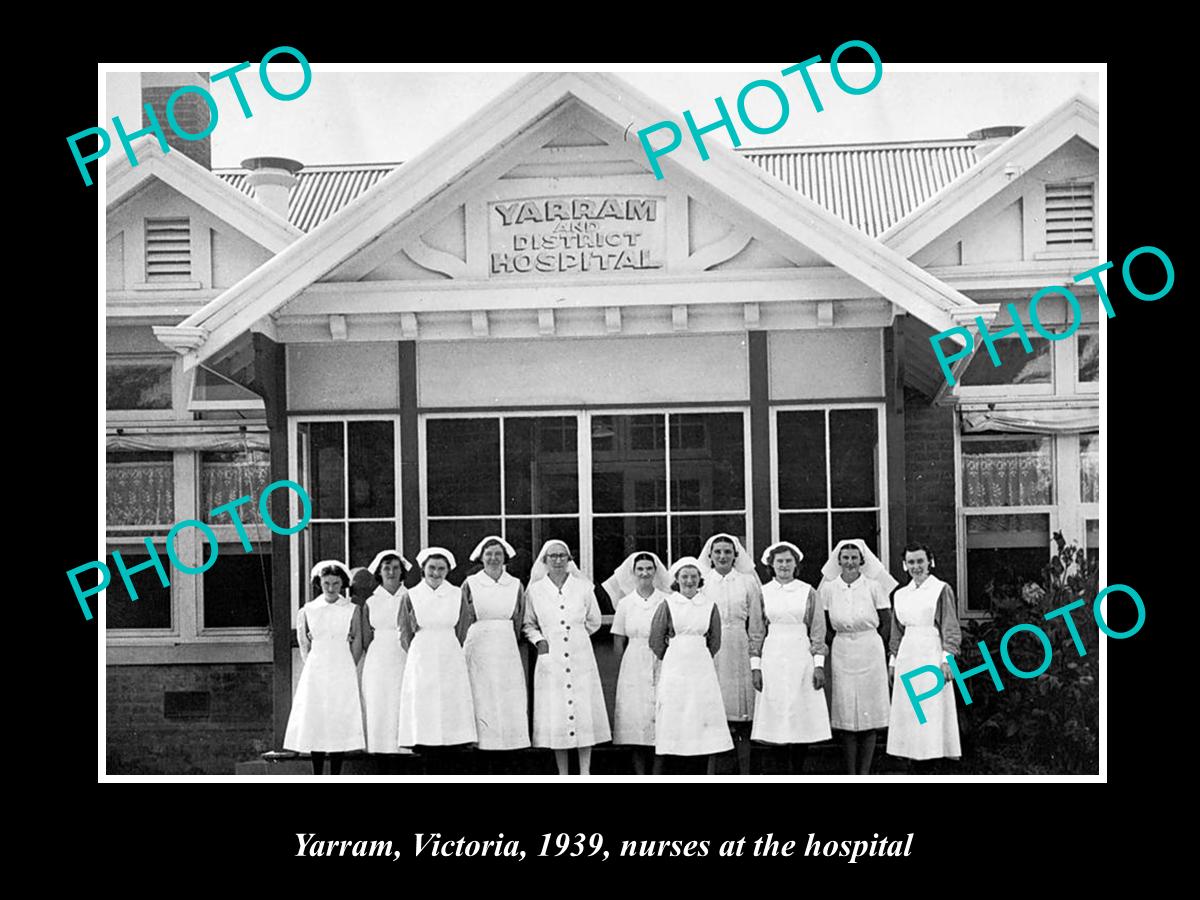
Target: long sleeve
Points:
(466, 617)
(408, 623)
(756, 623)
(814, 620)
(897, 635)
(662, 629)
(533, 633)
(713, 637)
(518, 616)
(946, 619)
(592, 619)
(303, 638)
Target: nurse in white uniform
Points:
(924, 631)
(854, 592)
(730, 580)
(637, 587)
(561, 614)
(383, 668)
(326, 716)
(493, 659)
(436, 709)
(790, 675)
(686, 634)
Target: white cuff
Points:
(755, 663)
(818, 660)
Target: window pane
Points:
(209, 386)
(142, 386)
(615, 537)
(237, 590)
(1016, 366)
(226, 475)
(459, 537)
(462, 458)
(1089, 468)
(322, 468)
(140, 489)
(707, 461)
(372, 470)
(1088, 348)
(629, 469)
(848, 525)
(541, 465)
(809, 532)
(152, 609)
(367, 539)
(1004, 554)
(327, 540)
(528, 535)
(688, 533)
(1016, 472)
(801, 454)
(853, 450)
(1092, 543)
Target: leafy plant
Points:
(1048, 724)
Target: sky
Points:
(378, 116)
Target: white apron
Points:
(568, 698)
(383, 672)
(732, 596)
(857, 660)
(494, 665)
(327, 711)
(788, 710)
(435, 697)
(633, 718)
(689, 712)
(921, 646)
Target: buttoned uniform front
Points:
(435, 700)
(738, 597)
(924, 629)
(568, 697)
(689, 712)
(383, 671)
(494, 662)
(638, 676)
(789, 710)
(858, 662)
(326, 713)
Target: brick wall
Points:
(929, 481)
(192, 113)
(231, 725)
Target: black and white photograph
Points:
(654, 423)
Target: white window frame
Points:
(299, 579)
(255, 405)
(881, 457)
(586, 514)
(179, 392)
(1009, 391)
(1076, 386)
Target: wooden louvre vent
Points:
(168, 250)
(1070, 211)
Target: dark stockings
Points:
(318, 762)
(858, 750)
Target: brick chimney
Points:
(272, 178)
(190, 110)
(991, 138)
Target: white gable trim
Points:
(725, 180)
(1078, 117)
(198, 184)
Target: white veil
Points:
(622, 582)
(742, 562)
(872, 568)
(540, 568)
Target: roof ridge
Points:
(813, 148)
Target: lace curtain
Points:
(227, 476)
(140, 493)
(1011, 478)
(1089, 469)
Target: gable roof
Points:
(1078, 117)
(484, 138)
(872, 186)
(255, 221)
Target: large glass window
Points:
(828, 464)
(152, 609)
(237, 589)
(348, 468)
(517, 476)
(1008, 489)
(1089, 468)
(138, 385)
(236, 592)
(1088, 354)
(664, 482)
(1016, 368)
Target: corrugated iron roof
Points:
(871, 186)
